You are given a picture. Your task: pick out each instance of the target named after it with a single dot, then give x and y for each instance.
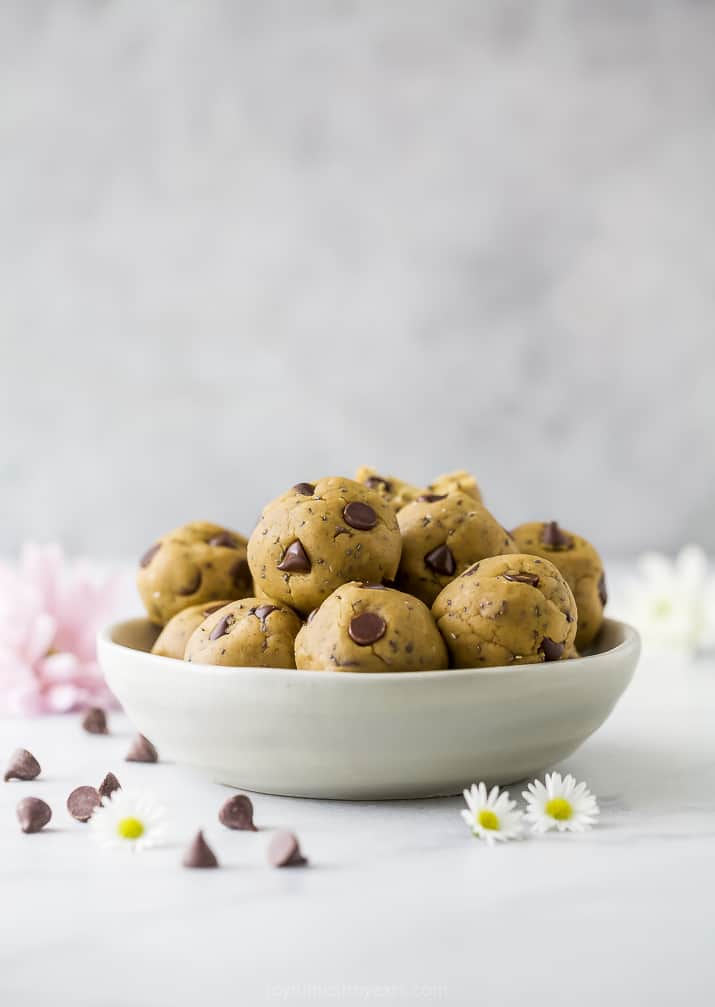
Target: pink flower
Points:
(50, 611)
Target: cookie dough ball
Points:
(173, 638)
(371, 628)
(579, 565)
(443, 534)
(318, 536)
(459, 480)
(195, 564)
(392, 490)
(250, 633)
(507, 610)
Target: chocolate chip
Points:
(551, 650)
(224, 539)
(602, 593)
(241, 573)
(199, 853)
(375, 482)
(284, 851)
(108, 785)
(522, 578)
(311, 615)
(214, 608)
(150, 554)
(22, 766)
(33, 814)
(263, 611)
(431, 497)
(305, 489)
(192, 586)
(141, 750)
(295, 559)
(359, 515)
(552, 535)
(95, 721)
(82, 802)
(222, 626)
(237, 813)
(441, 561)
(367, 628)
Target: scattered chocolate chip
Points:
(284, 851)
(263, 611)
(33, 814)
(367, 628)
(150, 554)
(359, 515)
(551, 650)
(193, 585)
(552, 535)
(295, 559)
(305, 489)
(224, 539)
(311, 615)
(522, 578)
(82, 802)
(22, 766)
(241, 573)
(214, 608)
(222, 626)
(95, 721)
(375, 482)
(141, 750)
(431, 497)
(108, 785)
(602, 593)
(441, 561)
(199, 853)
(237, 813)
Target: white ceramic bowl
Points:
(346, 735)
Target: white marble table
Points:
(399, 904)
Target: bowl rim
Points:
(629, 642)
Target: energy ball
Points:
(251, 633)
(579, 565)
(320, 535)
(370, 628)
(506, 610)
(195, 564)
(459, 480)
(172, 640)
(394, 491)
(443, 534)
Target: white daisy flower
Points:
(561, 804)
(129, 820)
(672, 602)
(491, 816)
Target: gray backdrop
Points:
(244, 244)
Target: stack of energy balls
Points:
(374, 575)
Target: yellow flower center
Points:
(662, 608)
(130, 828)
(488, 820)
(559, 808)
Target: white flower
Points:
(134, 821)
(672, 602)
(491, 816)
(561, 804)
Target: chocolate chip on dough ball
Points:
(197, 563)
(251, 633)
(317, 536)
(505, 610)
(443, 534)
(370, 628)
(173, 638)
(459, 480)
(579, 565)
(393, 491)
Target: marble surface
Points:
(244, 244)
(398, 905)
